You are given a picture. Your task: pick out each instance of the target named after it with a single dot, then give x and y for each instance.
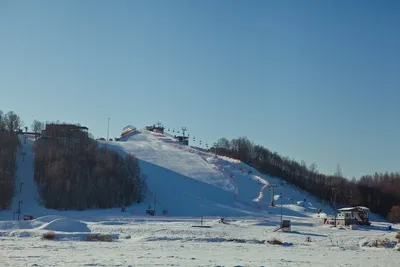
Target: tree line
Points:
(85, 176)
(10, 124)
(69, 175)
(379, 192)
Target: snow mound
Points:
(66, 225)
(323, 215)
(18, 225)
(48, 218)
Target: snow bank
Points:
(321, 215)
(50, 223)
(66, 225)
(48, 218)
(18, 225)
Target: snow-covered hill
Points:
(179, 176)
(180, 179)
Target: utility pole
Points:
(281, 208)
(334, 203)
(273, 194)
(108, 128)
(215, 149)
(155, 202)
(201, 211)
(19, 208)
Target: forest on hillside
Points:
(80, 175)
(379, 192)
(71, 172)
(9, 143)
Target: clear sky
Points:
(312, 80)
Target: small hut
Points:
(353, 215)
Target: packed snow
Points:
(175, 242)
(187, 181)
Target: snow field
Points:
(179, 177)
(177, 243)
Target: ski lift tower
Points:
(184, 129)
(273, 186)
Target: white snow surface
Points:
(178, 177)
(175, 242)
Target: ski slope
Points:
(26, 195)
(180, 179)
(179, 176)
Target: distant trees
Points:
(9, 143)
(394, 214)
(86, 176)
(12, 122)
(380, 192)
(37, 126)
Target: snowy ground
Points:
(178, 177)
(175, 242)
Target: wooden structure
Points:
(155, 128)
(73, 136)
(285, 226)
(182, 139)
(28, 217)
(28, 133)
(151, 212)
(353, 215)
(67, 133)
(128, 130)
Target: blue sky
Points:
(313, 80)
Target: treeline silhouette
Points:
(71, 176)
(9, 144)
(379, 192)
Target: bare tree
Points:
(12, 122)
(223, 143)
(9, 144)
(37, 126)
(338, 172)
(313, 168)
(2, 121)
